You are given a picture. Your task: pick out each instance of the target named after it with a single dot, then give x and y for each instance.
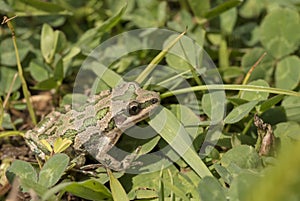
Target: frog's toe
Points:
(137, 163)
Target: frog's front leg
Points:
(110, 162)
(98, 146)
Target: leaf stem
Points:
(246, 79)
(26, 92)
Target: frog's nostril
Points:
(154, 100)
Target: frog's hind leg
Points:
(33, 137)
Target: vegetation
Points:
(249, 153)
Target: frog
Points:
(95, 127)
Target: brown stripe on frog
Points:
(102, 96)
(147, 103)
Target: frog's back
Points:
(67, 123)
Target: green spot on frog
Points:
(43, 136)
(81, 116)
(53, 131)
(129, 95)
(43, 122)
(59, 123)
(72, 120)
(111, 125)
(91, 121)
(101, 113)
(70, 134)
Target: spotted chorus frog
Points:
(96, 126)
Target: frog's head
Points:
(131, 104)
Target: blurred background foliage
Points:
(54, 38)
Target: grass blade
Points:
(157, 59)
(20, 70)
(176, 136)
(231, 87)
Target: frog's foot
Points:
(78, 161)
(111, 163)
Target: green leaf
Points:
(287, 129)
(39, 70)
(60, 42)
(151, 180)
(292, 108)
(92, 35)
(264, 70)
(149, 145)
(23, 170)
(27, 175)
(284, 172)
(228, 20)
(243, 156)
(222, 8)
(188, 118)
(47, 43)
(199, 7)
(69, 56)
(172, 131)
(224, 173)
(59, 70)
(270, 102)
(118, 192)
(239, 112)
(8, 55)
(90, 189)
(36, 8)
(53, 169)
(250, 96)
(4, 7)
(177, 63)
(213, 105)
(279, 32)
(211, 189)
(50, 83)
(232, 72)
(6, 79)
(241, 184)
(287, 74)
(177, 189)
(252, 8)
(34, 187)
(61, 144)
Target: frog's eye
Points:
(134, 108)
